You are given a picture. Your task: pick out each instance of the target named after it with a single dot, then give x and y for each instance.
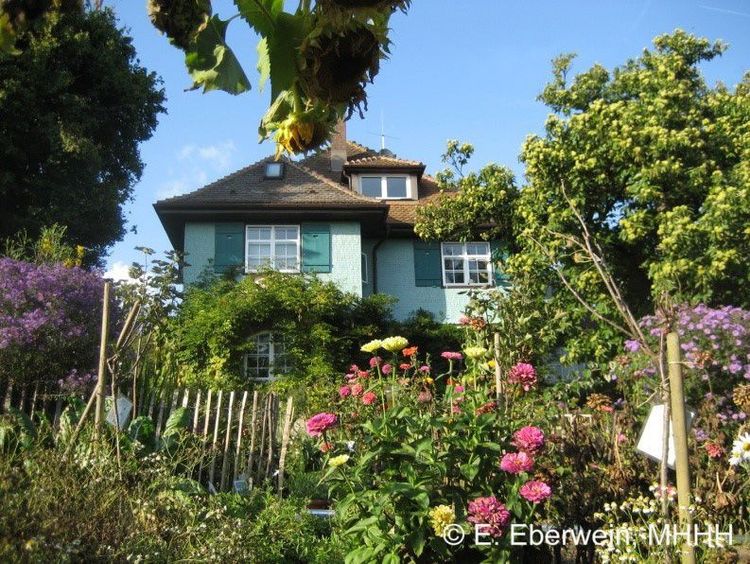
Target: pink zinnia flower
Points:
(424, 368)
(363, 374)
(529, 439)
(424, 397)
(535, 491)
(463, 320)
(459, 389)
(357, 389)
(386, 369)
(369, 398)
(448, 355)
(523, 374)
(404, 366)
(455, 409)
(345, 391)
(492, 515)
(516, 462)
(320, 423)
(714, 449)
(354, 369)
(375, 361)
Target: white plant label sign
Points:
(651, 440)
(124, 407)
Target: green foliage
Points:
(76, 162)
(87, 507)
(320, 325)
(473, 205)
(657, 162)
(434, 337)
(49, 248)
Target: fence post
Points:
(285, 442)
(227, 438)
(102, 357)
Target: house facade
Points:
(346, 213)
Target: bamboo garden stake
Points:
(679, 428)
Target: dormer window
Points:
(385, 187)
(274, 170)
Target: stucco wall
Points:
(199, 250)
(346, 257)
(395, 271)
(346, 254)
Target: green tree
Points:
(74, 105)
(473, 205)
(657, 164)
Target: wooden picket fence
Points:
(244, 433)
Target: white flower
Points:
(350, 445)
(740, 450)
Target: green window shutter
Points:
(428, 269)
(499, 254)
(316, 248)
(229, 246)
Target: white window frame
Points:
(272, 241)
(466, 257)
(384, 185)
(271, 357)
(365, 268)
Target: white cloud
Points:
(118, 271)
(194, 160)
(219, 156)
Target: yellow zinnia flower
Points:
(372, 346)
(339, 460)
(440, 517)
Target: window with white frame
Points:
(267, 358)
(272, 246)
(364, 268)
(466, 264)
(390, 187)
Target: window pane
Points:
(454, 264)
(396, 187)
(286, 233)
(454, 277)
(259, 233)
(477, 249)
(371, 186)
(452, 249)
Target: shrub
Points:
(320, 326)
(49, 321)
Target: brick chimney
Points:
(338, 146)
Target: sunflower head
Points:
(180, 20)
(380, 5)
(338, 64)
(302, 132)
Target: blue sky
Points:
(468, 70)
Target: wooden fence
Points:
(243, 433)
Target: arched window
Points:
(267, 358)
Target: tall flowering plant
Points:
(413, 455)
(49, 322)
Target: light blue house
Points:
(346, 213)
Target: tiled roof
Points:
(383, 161)
(308, 183)
(404, 212)
(298, 187)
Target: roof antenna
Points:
(382, 131)
(383, 136)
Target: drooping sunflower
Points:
(337, 64)
(180, 20)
